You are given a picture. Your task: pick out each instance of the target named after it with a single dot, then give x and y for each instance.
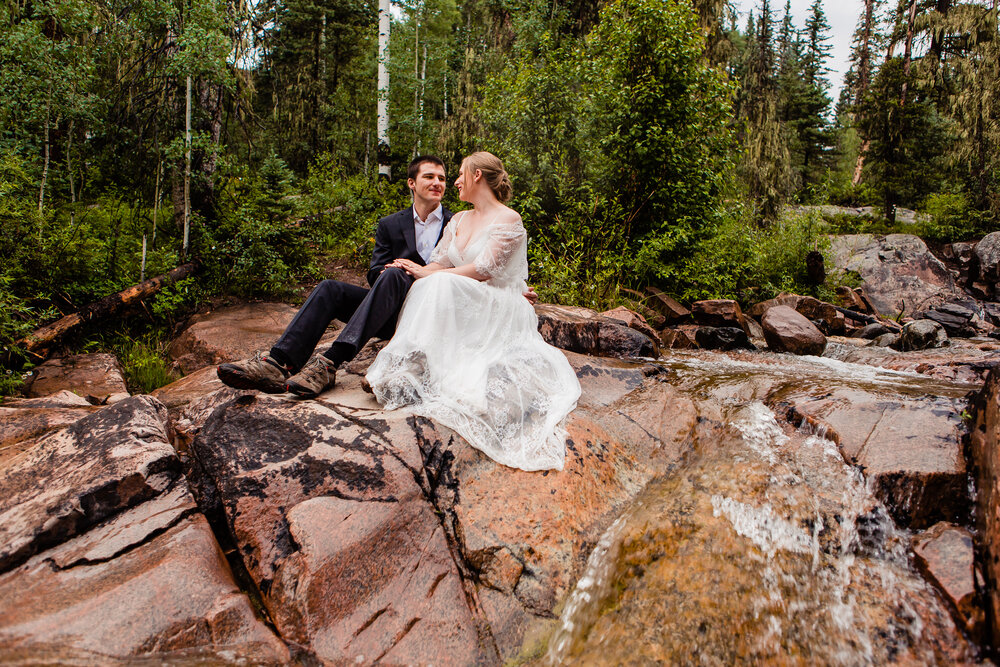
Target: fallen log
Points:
(51, 334)
(869, 319)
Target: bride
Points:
(467, 352)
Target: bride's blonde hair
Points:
(493, 173)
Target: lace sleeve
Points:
(505, 239)
(440, 253)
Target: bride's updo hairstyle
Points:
(493, 173)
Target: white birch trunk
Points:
(45, 171)
(383, 87)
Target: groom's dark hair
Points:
(414, 168)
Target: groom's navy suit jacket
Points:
(395, 238)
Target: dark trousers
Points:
(368, 313)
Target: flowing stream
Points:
(764, 545)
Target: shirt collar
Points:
(435, 216)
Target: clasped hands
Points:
(418, 271)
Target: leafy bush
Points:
(952, 218)
(745, 262)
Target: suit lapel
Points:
(406, 222)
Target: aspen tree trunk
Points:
(908, 51)
(69, 164)
(187, 170)
(156, 196)
(384, 26)
(420, 117)
(864, 71)
(45, 168)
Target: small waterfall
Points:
(765, 546)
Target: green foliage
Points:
(344, 208)
(748, 263)
(951, 217)
(144, 362)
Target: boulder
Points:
(785, 330)
(987, 253)
(230, 334)
(900, 274)
(96, 377)
(26, 419)
(984, 455)
(825, 315)
(886, 340)
(671, 309)
(679, 338)
(945, 555)
(853, 300)
(437, 550)
(583, 330)
(921, 335)
(78, 476)
(909, 448)
(723, 338)
(718, 313)
(631, 319)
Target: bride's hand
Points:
(411, 268)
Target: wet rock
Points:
(583, 330)
(886, 340)
(909, 447)
(723, 338)
(788, 331)
(631, 319)
(921, 335)
(433, 541)
(73, 478)
(230, 334)
(672, 310)
(945, 555)
(743, 554)
(96, 376)
(984, 455)
(718, 313)
(678, 338)
(960, 361)
(899, 272)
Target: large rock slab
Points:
(899, 273)
(73, 478)
(968, 362)
(433, 541)
(151, 580)
(584, 331)
(230, 334)
(830, 320)
(22, 420)
(97, 376)
(910, 448)
(987, 253)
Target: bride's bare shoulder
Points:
(509, 216)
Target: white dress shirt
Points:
(427, 231)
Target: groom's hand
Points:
(531, 295)
(410, 267)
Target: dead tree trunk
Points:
(51, 334)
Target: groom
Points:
(411, 234)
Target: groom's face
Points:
(428, 187)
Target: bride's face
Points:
(465, 183)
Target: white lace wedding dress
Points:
(468, 354)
